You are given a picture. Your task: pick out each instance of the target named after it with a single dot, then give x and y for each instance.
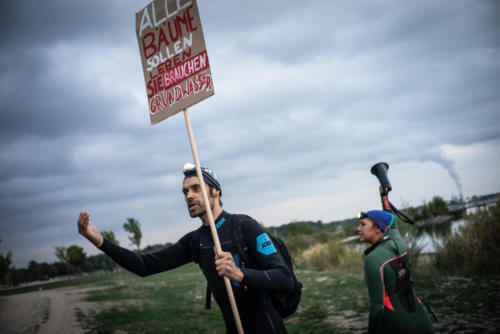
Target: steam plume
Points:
(438, 157)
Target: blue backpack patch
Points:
(265, 244)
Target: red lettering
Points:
(157, 103)
(209, 83)
(170, 97)
(165, 66)
(186, 54)
(182, 19)
(159, 82)
(146, 47)
(190, 19)
(161, 68)
(162, 39)
(151, 89)
(178, 33)
(153, 42)
(191, 89)
(155, 84)
(177, 60)
(178, 93)
(160, 102)
(200, 79)
(185, 70)
(196, 84)
(152, 107)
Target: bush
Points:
(475, 249)
(296, 244)
(299, 228)
(329, 255)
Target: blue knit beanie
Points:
(382, 219)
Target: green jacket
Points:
(394, 307)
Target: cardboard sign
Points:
(174, 57)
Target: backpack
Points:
(285, 303)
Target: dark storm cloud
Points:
(41, 23)
(37, 97)
(305, 92)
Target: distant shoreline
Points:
(435, 220)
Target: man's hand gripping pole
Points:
(215, 236)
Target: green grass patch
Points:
(333, 301)
(328, 296)
(168, 302)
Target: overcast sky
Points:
(308, 96)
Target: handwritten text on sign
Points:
(174, 58)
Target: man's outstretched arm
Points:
(140, 264)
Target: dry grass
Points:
(330, 255)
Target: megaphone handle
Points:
(384, 197)
(385, 202)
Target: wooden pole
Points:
(215, 236)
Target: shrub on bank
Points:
(329, 255)
(475, 249)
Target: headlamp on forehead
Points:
(209, 176)
(189, 167)
(362, 215)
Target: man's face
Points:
(194, 198)
(367, 231)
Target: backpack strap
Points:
(195, 246)
(240, 244)
(208, 298)
(195, 257)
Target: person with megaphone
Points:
(394, 307)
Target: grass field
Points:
(332, 302)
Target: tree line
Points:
(72, 260)
(435, 208)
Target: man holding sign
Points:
(177, 75)
(251, 287)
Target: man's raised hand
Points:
(88, 230)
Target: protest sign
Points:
(177, 75)
(174, 57)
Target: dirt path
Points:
(50, 311)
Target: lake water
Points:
(432, 236)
